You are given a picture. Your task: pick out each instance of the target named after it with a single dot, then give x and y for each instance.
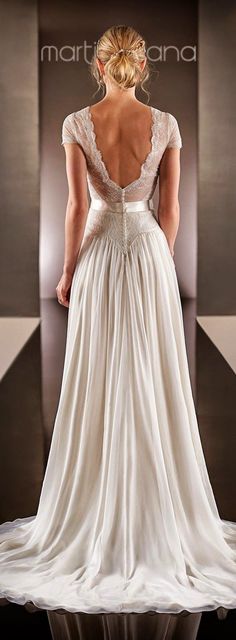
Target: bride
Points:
(127, 520)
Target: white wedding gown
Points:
(127, 520)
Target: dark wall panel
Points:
(217, 166)
(19, 180)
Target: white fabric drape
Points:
(127, 519)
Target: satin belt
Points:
(122, 206)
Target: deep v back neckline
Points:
(100, 157)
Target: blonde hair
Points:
(121, 49)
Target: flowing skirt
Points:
(127, 520)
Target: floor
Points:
(31, 376)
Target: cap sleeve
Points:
(174, 137)
(68, 129)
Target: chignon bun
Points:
(121, 49)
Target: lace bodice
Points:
(78, 128)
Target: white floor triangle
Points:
(14, 333)
(222, 332)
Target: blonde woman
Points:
(127, 520)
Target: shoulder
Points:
(170, 116)
(79, 115)
(68, 123)
(72, 127)
(69, 119)
(165, 117)
(75, 128)
(172, 120)
(168, 128)
(78, 119)
(173, 131)
(68, 129)
(74, 117)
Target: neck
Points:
(118, 94)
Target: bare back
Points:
(123, 136)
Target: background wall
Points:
(66, 86)
(21, 437)
(217, 167)
(19, 175)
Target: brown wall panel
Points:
(217, 166)
(19, 165)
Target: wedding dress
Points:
(127, 520)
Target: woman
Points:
(127, 519)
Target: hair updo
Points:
(121, 49)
